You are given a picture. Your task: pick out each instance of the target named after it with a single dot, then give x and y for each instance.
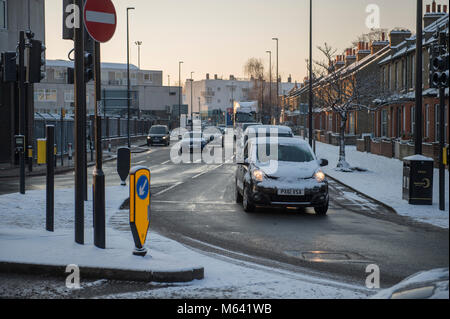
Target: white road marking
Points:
(164, 163)
(168, 189)
(100, 17)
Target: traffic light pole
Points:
(441, 148)
(98, 176)
(22, 107)
(80, 102)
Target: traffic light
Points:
(36, 62)
(9, 67)
(88, 57)
(440, 68)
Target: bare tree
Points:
(342, 91)
(254, 68)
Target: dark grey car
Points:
(159, 135)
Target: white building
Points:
(209, 95)
(148, 94)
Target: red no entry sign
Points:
(100, 19)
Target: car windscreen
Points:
(193, 135)
(284, 153)
(244, 117)
(158, 130)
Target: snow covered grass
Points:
(23, 239)
(383, 181)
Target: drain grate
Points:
(327, 256)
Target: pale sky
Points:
(218, 36)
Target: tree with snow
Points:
(343, 90)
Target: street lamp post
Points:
(278, 93)
(310, 121)
(192, 103)
(179, 90)
(139, 43)
(270, 86)
(128, 77)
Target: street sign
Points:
(139, 207)
(100, 19)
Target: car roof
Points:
(159, 125)
(268, 127)
(281, 140)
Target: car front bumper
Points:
(268, 196)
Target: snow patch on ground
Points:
(23, 239)
(383, 181)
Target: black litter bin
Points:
(418, 180)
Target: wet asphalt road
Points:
(194, 204)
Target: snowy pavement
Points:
(383, 182)
(23, 239)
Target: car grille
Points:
(293, 199)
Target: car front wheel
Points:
(238, 196)
(321, 210)
(248, 205)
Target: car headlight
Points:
(164, 137)
(319, 176)
(258, 175)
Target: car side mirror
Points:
(323, 162)
(211, 138)
(180, 137)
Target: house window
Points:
(3, 15)
(384, 123)
(413, 71)
(427, 120)
(396, 87)
(389, 77)
(45, 95)
(60, 75)
(437, 123)
(148, 78)
(413, 119)
(69, 96)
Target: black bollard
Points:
(50, 178)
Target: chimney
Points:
(398, 36)
(350, 57)
(215, 76)
(363, 51)
(428, 8)
(207, 76)
(231, 77)
(290, 79)
(435, 14)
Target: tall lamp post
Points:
(139, 43)
(192, 102)
(278, 90)
(179, 90)
(270, 85)
(128, 76)
(310, 121)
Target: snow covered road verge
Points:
(383, 182)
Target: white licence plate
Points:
(291, 192)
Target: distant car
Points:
(281, 173)
(193, 141)
(240, 129)
(266, 131)
(158, 134)
(214, 134)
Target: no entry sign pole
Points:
(100, 21)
